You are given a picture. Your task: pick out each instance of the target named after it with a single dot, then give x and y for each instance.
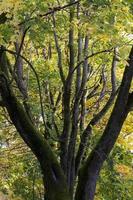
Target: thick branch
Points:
(87, 132)
(90, 171)
(37, 79)
(19, 71)
(75, 115)
(67, 95)
(53, 175)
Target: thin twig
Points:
(52, 11)
(93, 54)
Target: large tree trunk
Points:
(54, 179)
(53, 176)
(90, 171)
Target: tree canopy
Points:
(66, 99)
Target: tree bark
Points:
(54, 179)
(87, 132)
(90, 171)
(67, 99)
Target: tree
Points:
(76, 174)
